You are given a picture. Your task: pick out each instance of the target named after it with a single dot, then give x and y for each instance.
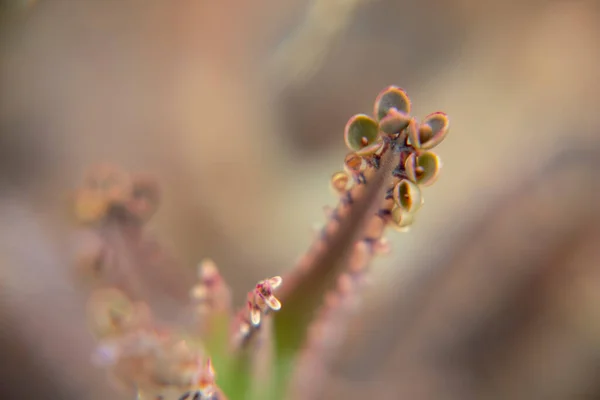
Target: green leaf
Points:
(433, 130)
(424, 168)
(361, 134)
(407, 196)
(391, 97)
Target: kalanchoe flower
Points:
(380, 186)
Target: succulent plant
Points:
(279, 343)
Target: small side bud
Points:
(341, 182)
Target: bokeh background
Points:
(238, 108)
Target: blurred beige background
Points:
(239, 108)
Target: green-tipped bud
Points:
(391, 97)
(394, 122)
(407, 196)
(432, 131)
(423, 169)
(362, 135)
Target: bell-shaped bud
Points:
(432, 131)
(401, 220)
(362, 135)
(394, 122)
(391, 97)
(423, 169)
(341, 182)
(407, 196)
(354, 164)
